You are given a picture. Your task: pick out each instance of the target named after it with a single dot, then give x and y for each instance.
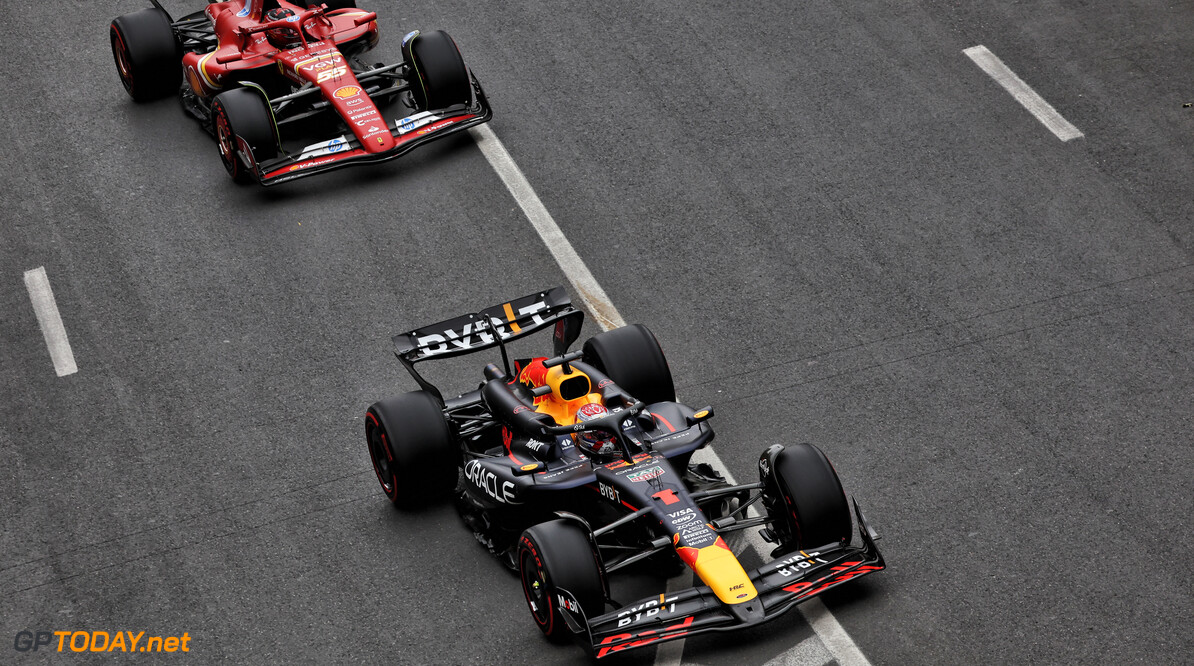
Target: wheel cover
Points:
(538, 597)
(382, 462)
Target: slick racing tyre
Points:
(554, 555)
(148, 55)
(411, 448)
(806, 505)
(631, 356)
(240, 116)
(439, 78)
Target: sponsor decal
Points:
(409, 36)
(764, 467)
(307, 165)
(565, 470)
(646, 474)
(567, 603)
(530, 467)
(647, 609)
(244, 12)
(346, 91)
(475, 334)
(362, 113)
(438, 126)
(610, 493)
(323, 148)
(292, 19)
(536, 445)
(354, 102)
(683, 520)
(502, 491)
(701, 540)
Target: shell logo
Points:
(347, 91)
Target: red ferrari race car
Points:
(265, 77)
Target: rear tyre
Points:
(805, 501)
(440, 78)
(242, 119)
(147, 54)
(631, 356)
(554, 555)
(411, 448)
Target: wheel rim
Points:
(226, 140)
(123, 63)
(534, 584)
(383, 464)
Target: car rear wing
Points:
(492, 327)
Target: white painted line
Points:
(52, 329)
(586, 286)
(1025, 95)
(827, 628)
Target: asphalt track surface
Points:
(840, 228)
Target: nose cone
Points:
(750, 612)
(378, 138)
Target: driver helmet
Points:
(597, 444)
(282, 38)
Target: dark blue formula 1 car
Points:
(573, 466)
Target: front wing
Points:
(781, 584)
(409, 133)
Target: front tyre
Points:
(244, 126)
(806, 505)
(147, 54)
(411, 448)
(558, 555)
(439, 78)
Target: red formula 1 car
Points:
(265, 77)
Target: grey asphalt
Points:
(841, 230)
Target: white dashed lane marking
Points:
(46, 309)
(1023, 94)
(827, 628)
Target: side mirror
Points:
(702, 414)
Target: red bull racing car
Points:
(572, 467)
(267, 77)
